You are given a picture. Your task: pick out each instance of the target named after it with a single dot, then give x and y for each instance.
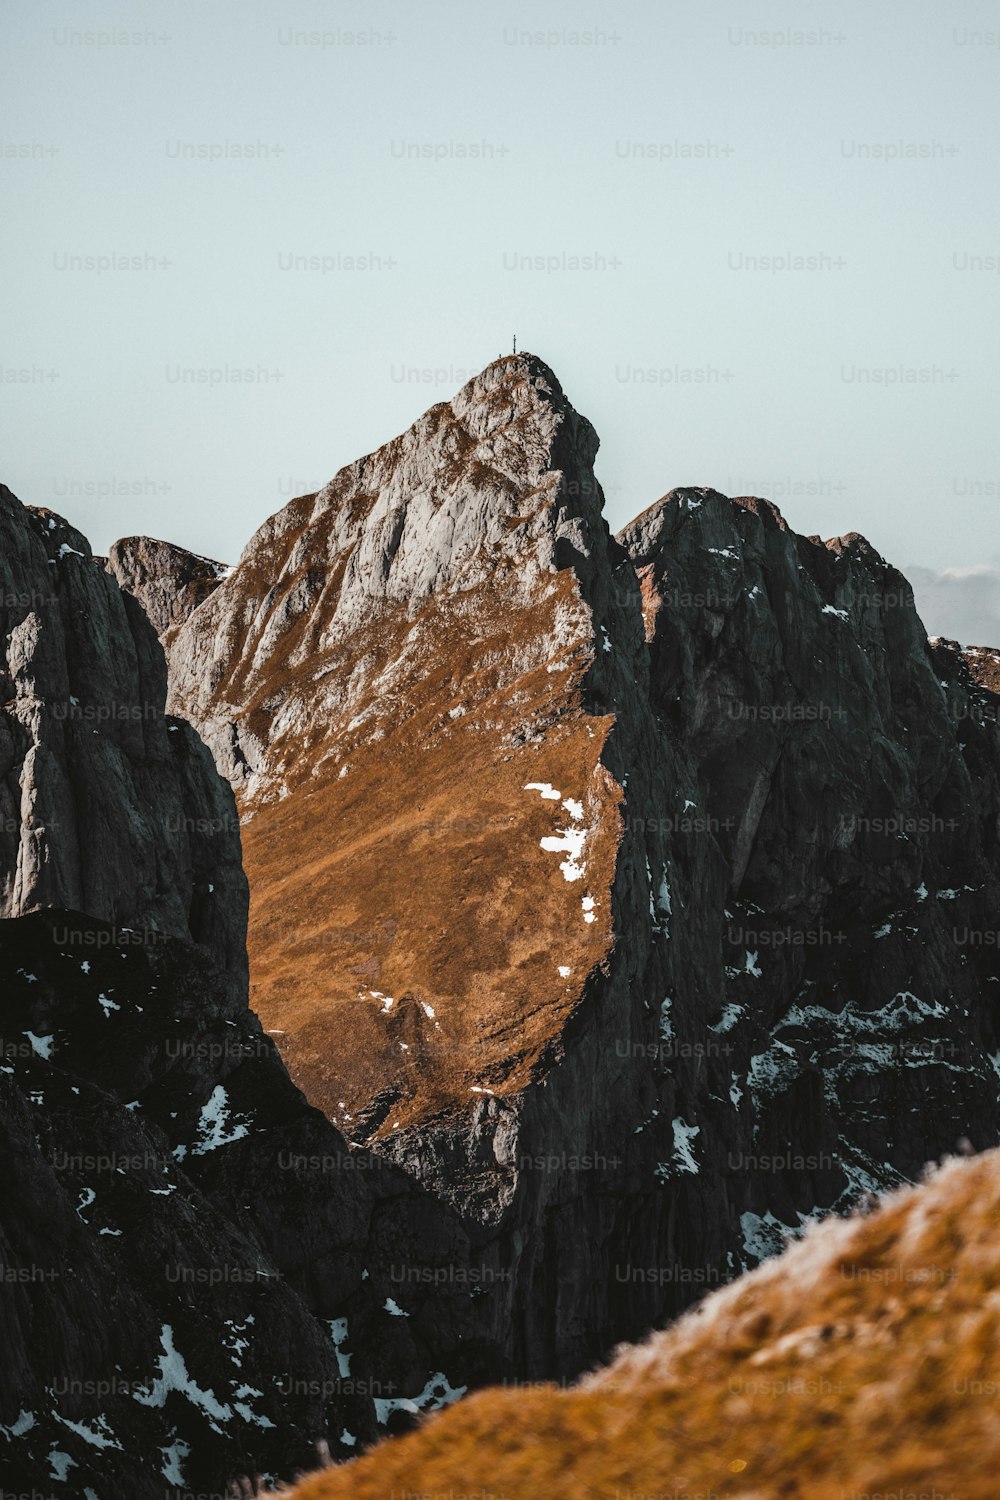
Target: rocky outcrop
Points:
(983, 663)
(107, 806)
(168, 581)
(855, 802)
(632, 894)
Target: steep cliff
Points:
(107, 805)
(199, 1280)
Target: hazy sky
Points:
(622, 187)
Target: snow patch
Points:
(174, 1376)
(338, 1334)
(61, 1464)
(435, 1394)
(763, 1235)
(568, 841)
(103, 1437)
(663, 907)
(546, 789)
(750, 966)
(172, 1467)
(666, 1024)
(214, 1125)
(772, 1071)
(386, 1002)
(730, 1015)
(24, 1423)
(684, 1134)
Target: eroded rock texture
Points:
(809, 1377)
(200, 1280)
(107, 805)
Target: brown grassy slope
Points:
(418, 875)
(863, 1361)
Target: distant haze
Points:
(960, 603)
(758, 243)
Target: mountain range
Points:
(616, 906)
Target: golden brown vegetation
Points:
(418, 876)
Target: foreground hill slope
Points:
(864, 1361)
(633, 894)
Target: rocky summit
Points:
(618, 906)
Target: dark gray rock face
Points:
(794, 1002)
(169, 582)
(847, 774)
(106, 805)
(198, 1276)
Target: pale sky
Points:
(622, 187)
